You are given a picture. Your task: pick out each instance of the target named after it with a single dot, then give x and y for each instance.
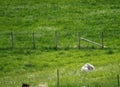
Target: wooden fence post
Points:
(12, 40)
(33, 40)
(118, 81)
(78, 40)
(56, 40)
(102, 40)
(58, 78)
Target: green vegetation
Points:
(68, 17)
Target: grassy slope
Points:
(62, 16)
(35, 66)
(72, 15)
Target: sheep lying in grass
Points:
(88, 67)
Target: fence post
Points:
(56, 40)
(12, 40)
(58, 78)
(78, 40)
(102, 40)
(33, 40)
(118, 81)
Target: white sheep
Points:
(88, 67)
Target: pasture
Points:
(23, 64)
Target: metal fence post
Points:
(12, 40)
(78, 40)
(118, 81)
(102, 40)
(58, 78)
(33, 40)
(56, 40)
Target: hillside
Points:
(23, 64)
(74, 15)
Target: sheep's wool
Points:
(88, 67)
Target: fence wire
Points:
(62, 40)
(64, 78)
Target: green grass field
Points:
(68, 17)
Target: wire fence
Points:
(64, 78)
(85, 79)
(59, 40)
